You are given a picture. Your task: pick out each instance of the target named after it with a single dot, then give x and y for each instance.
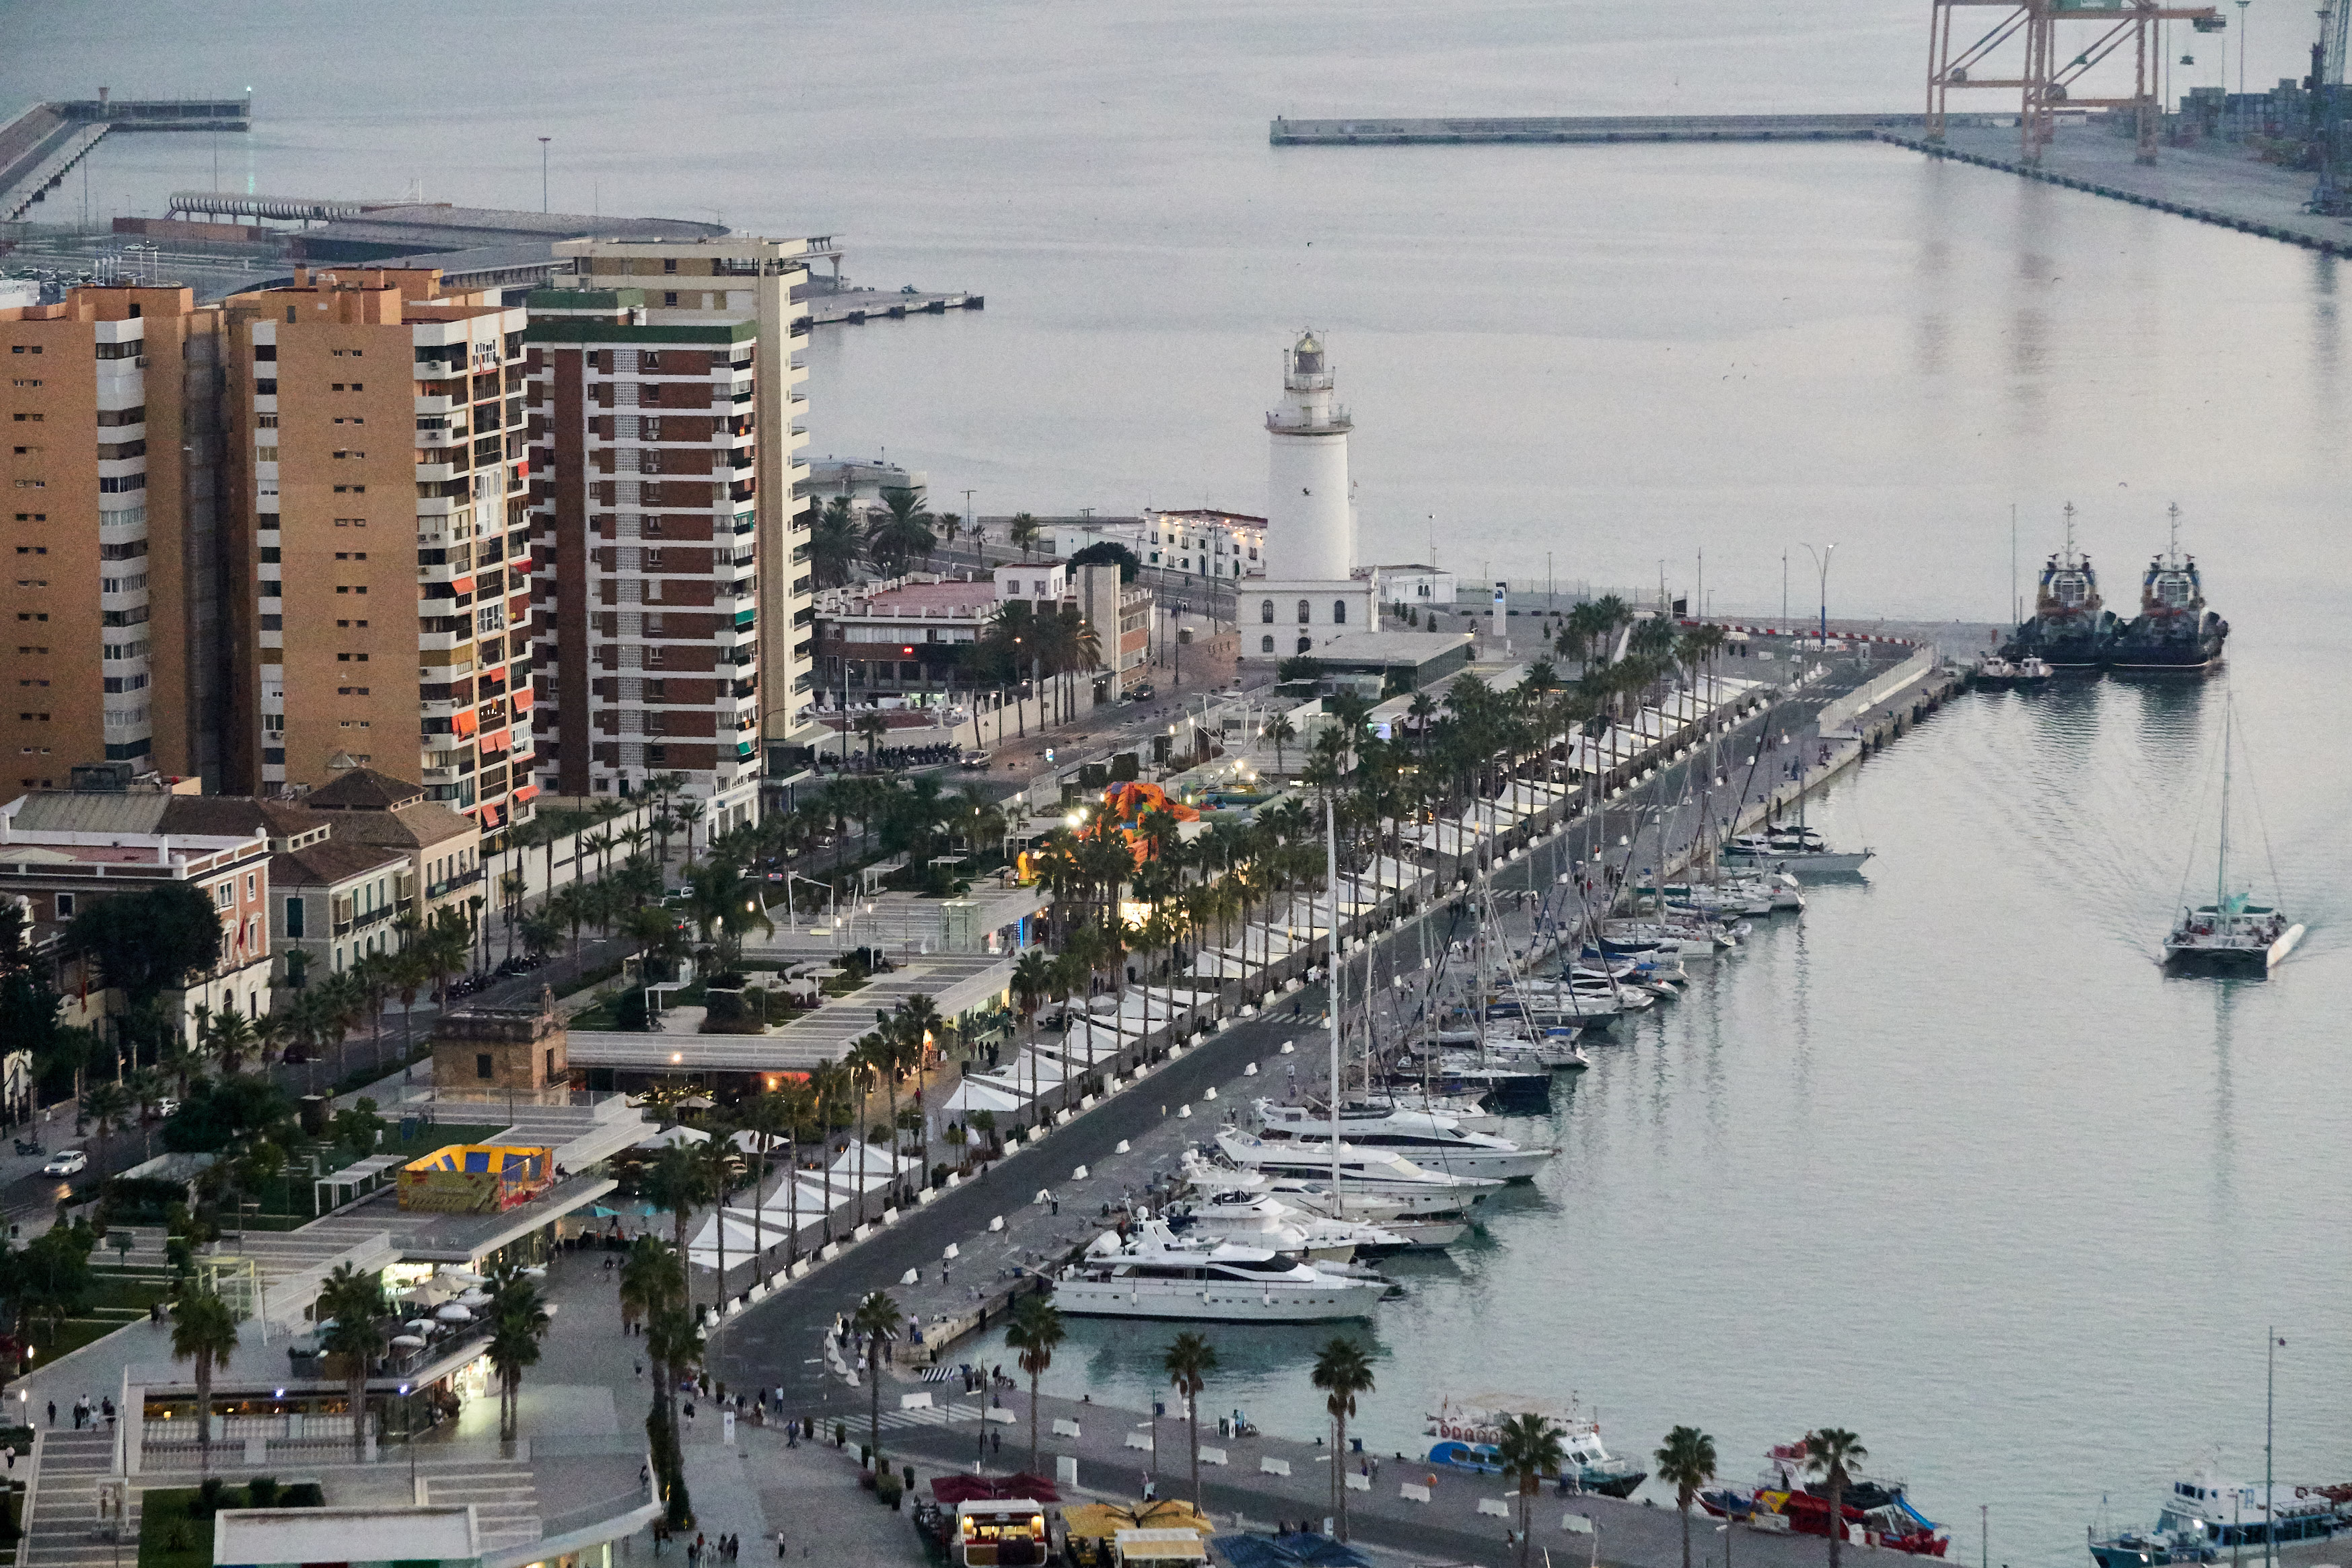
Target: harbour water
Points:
(1950, 1163)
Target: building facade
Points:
(903, 638)
(58, 872)
(106, 479)
(1120, 614)
(763, 281)
(652, 631)
(376, 468)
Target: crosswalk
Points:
(943, 1416)
(64, 1529)
(506, 1503)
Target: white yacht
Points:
(1382, 1173)
(1433, 1143)
(1262, 1219)
(1412, 1219)
(1154, 1275)
(1799, 849)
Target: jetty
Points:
(1606, 128)
(43, 142)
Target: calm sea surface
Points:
(1948, 1162)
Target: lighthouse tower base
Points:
(1281, 618)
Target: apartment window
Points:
(252, 884)
(669, 297)
(1265, 645)
(224, 896)
(1338, 612)
(1266, 611)
(1305, 616)
(650, 359)
(482, 1064)
(294, 917)
(669, 263)
(65, 906)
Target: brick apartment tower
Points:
(376, 470)
(110, 607)
(733, 281)
(677, 605)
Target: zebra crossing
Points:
(64, 1529)
(944, 1415)
(506, 1504)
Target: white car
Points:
(66, 1162)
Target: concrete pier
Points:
(43, 142)
(1598, 128)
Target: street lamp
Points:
(1822, 565)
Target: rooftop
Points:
(363, 789)
(914, 600)
(274, 1535)
(331, 863)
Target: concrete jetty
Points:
(45, 139)
(1606, 128)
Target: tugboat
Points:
(2174, 630)
(2071, 628)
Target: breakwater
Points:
(1608, 127)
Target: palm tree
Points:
(1035, 1330)
(355, 1301)
(649, 1280)
(901, 531)
(828, 1086)
(518, 1320)
(1831, 1454)
(674, 1347)
(679, 1180)
(203, 1329)
(1686, 1463)
(1281, 732)
(1188, 1362)
(1341, 1372)
(107, 1105)
(835, 541)
(718, 1159)
(689, 813)
(1022, 531)
(878, 1317)
(1529, 1447)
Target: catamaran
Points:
(2232, 935)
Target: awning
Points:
(462, 722)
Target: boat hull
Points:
(1212, 1302)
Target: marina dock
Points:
(853, 306)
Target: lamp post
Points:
(542, 171)
(1822, 565)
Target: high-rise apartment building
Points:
(110, 577)
(676, 600)
(376, 466)
(608, 413)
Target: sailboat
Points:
(2231, 936)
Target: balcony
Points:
(449, 885)
(437, 641)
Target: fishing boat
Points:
(1153, 1274)
(2202, 1514)
(1468, 1432)
(2175, 631)
(2071, 628)
(2232, 935)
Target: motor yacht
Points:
(1380, 1172)
(1432, 1142)
(1153, 1274)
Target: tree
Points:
(878, 1317)
(1281, 732)
(1188, 1362)
(1297, 667)
(1105, 553)
(871, 726)
(674, 1345)
(518, 1320)
(356, 1337)
(836, 538)
(1529, 1448)
(900, 531)
(1035, 1330)
(1686, 1463)
(29, 1003)
(1024, 531)
(679, 1180)
(1831, 1454)
(147, 944)
(204, 1331)
(108, 1106)
(1341, 1372)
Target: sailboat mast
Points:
(1331, 952)
(2221, 860)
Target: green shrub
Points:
(303, 1494)
(261, 1492)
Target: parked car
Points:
(1143, 693)
(168, 1106)
(66, 1162)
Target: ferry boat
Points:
(1468, 1430)
(2232, 935)
(2200, 1516)
(2174, 630)
(1154, 1275)
(2071, 627)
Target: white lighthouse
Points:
(1311, 593)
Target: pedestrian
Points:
(637, 1368)
(53, 1412)
(779, 1546)
(996, 1442)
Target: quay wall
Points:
(1378, 132)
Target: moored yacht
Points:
(1154, 1275)
(1379, 1172)
(1432, 1142)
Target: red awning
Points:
(525, 794)
(462, 584)
(523, 698)
(496, 741)
(462, 721)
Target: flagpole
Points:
(2270, 1408)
